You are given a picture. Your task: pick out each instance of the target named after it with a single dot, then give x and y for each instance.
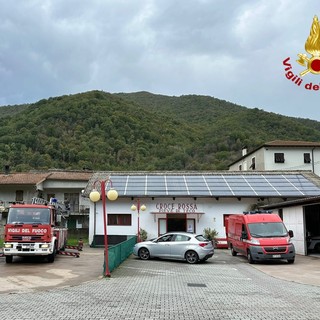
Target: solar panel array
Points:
(214, 185)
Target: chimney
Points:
(6, 169)
(244, 150)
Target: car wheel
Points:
(317, 248)
(9, 259)
(191, 257)
(233, 252)
(144, 254)
(249, 257)
(290, 261)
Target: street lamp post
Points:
(138, 207)
(95, 196)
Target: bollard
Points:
(80, 244)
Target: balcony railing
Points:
(74, 209)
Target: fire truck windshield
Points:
(28, 215)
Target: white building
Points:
(280, 156)
(189, 201)
(21, 187)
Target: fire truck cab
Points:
(34, 230)
(259, 236)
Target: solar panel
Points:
(214, 185)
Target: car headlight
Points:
(45, 245)
(8, 245)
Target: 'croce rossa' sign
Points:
(311, 63)
(172, 207)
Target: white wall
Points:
(293, 159)
(209, 214)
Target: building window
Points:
(279, 157)
(119, 219)
(306, 158)
(19, 195)
(240, 167)
(73, 200)
(253, 163)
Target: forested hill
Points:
(138, 131)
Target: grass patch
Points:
(74, 241)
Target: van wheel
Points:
(249, 257)
(290, 261)
(233, 252)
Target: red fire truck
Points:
(35, 229)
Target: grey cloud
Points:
(232, 50)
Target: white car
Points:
(176, 245)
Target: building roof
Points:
(33, 178)
(288, 143)
(292, 203)
(281, 144)
(265, 184)
(22, 178)
(70, 175)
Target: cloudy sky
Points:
(229, 49)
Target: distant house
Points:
(63, 185)
(280, 156)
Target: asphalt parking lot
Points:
(223, 287)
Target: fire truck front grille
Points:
(275, 249)
(26, 238)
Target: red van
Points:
(259, 236)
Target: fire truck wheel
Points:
(9, 259)
(233, 252)
(52, 256)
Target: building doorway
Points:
(312, 228)
(176, 222)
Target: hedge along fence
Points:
(119, 253)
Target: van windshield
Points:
(267, 229)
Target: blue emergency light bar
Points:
(257, 211)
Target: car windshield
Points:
(267, 229)
(29, 215)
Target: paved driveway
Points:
(222, 288)
(32, 274)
